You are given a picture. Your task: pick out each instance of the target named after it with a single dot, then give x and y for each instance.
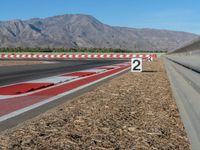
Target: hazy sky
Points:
(182, 15)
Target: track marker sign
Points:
(136, 65)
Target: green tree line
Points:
(71, 50)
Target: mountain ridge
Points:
(76, 30)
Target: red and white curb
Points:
(18, 98)
(74, 56)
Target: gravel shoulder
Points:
(132, 111)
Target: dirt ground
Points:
(134, 111)
(19, 62)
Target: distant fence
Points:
(75, 56)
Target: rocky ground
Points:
(135, 111)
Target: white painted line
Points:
(2, 97)
(55, 79)
(18, 112)
(122, 64)
(109, 67)
(50, 62)
(5, 97)
(93, 70)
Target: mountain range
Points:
(75, 30)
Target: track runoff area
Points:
(16, 99)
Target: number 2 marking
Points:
(137, 62)
(136, 65)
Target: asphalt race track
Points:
(16, 74)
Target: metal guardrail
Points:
(191, 48)
(183, 69)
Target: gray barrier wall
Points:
(192, 48)
(183, 69)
